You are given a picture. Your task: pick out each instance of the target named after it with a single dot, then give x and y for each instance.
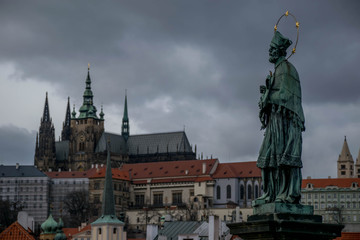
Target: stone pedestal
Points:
(285, 221)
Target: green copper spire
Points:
(125, 128)
(88, 110)
(108, 204)
(101, 113)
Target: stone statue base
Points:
(285, 221)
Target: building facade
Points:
(337, 200)
(83, 140)
(28, 187)
(236, 184)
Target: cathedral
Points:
(84, 140)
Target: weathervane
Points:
(88, 66)
(297, 24)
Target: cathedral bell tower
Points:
(45, 141)
(86, 130)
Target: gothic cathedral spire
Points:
(88, 110)
(125, 128)
(45, 141)
(66, 131)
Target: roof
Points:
(62, 150)
(349, 236)
(326, 182)
(168, 142)
(116, 174)
(345, 154)
(237, 170)
(68, 174)
(172, 229)
(16, 229)
(184, 169)
(20, 171)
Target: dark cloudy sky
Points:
(192, 64)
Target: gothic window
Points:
(228, 191)
(256, 191)
(249, 191)
(218, 193)
(242, 190)
(177, 197)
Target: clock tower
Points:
(86, 130)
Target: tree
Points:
(77, 205)
(9, 211)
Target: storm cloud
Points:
(193, 65)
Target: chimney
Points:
(59, 170)
(203, 168)
(50, 170)
(186, 172)
(96, 165)
(308, 177)
(17, 165)
(329, 177)
(92, 165)
(214, 225)
(151, 231)
(69, 169)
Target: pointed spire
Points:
(345, 154)
(358, 159)
(46, 114)
(67, 115)
(88, 110)
(108, 204)
(125, 128)
(101, 113)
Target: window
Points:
(256, 191)
(218, 192)
(177, 197)
(96, 198)
(96, 185)
(249, 192)
(342, 172)
(99, 231)
(139, 199)
(41, 197)
(191, 193)
(242, 190)
(158, 199)
(114, 231)
(228, 191)
(342, 167)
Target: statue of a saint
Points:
(282, 116)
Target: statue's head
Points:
(278, 47)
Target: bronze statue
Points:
(282, 116)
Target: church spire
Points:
(88, 110)
(345, 162)
(65, 134)
(46, 113)
(108, 204)
(125, 128)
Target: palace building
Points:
(83, 140)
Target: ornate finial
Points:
(88, 66)
(297, 24)
(287, 13)
(293, 50)
(275, 28)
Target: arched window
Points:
(228, 191)
(242, 191)
(256, 191)
(218, 193)
(249, 191)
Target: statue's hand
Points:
(262, 89)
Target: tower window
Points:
(114, 231)
(342, 167)
(99, 230)
(342, 172)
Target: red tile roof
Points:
(190, 168)
(16, 231)
(72, 174)
(326, 182)
(69, 232)
(349, 236)
(116, 174)
(237, 170)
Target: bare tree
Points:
(8, 213)
(77, 205)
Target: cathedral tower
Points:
(86, 130)
(345, 163)
(45, 141)
(357, 167)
